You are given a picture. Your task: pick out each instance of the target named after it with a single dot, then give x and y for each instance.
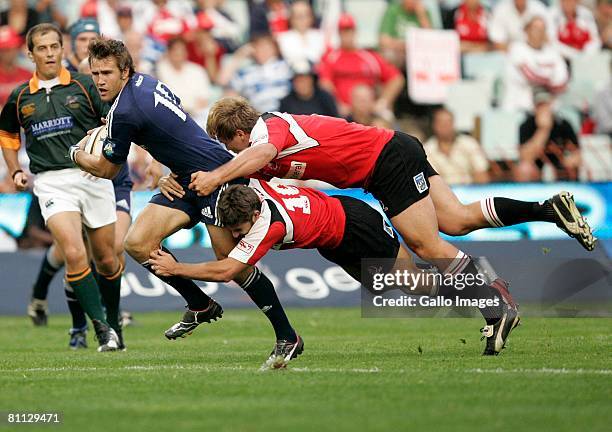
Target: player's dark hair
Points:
(228, 115)
(101, 48)
(237, 205)
(42, 29)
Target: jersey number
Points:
(295, 202)
(164, 97)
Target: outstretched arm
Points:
(246, 163)
(163, 264)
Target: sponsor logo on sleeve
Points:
(28, 109)
(109, 149)
(245, 247)
(72, 102)
(420, 182)
(296, 170)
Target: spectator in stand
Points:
(395, 22)
(342, 69)
(574, 29)
(268, 16)
(166, 24)
(135, 43)
(547, 140)
(470, 21)
(509, 19)
(303, 41)
(306, 96)
(11, 75)
(19, 16)
(187, 80)
(104, 12)
(81, 33)
(602, 111)
(48, 11)
(533, 63)
(204, 49)
(225, 31)
(125, 20)
(363, 101)
(603, 17)
(459, 159)
(265, 81)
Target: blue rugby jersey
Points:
(147, 113)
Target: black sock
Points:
(196, 298)
(262, 292)
(505, 211)
(79, 320)
(477, 289)
(45, 275)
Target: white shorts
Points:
(73, 190)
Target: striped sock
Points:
(501, 212)
(463, 264)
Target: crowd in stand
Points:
(303, 57)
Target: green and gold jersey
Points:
(52, 119)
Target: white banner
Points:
(433, 63)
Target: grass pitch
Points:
(355, 374)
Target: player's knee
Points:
(137, 248)
(107, 264)
(131, 245)
(76, 257)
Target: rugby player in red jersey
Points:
(392, 166)
(343, 229)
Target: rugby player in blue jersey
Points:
(146, 112)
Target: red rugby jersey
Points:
(319, 147)
(291, 217)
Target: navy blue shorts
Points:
(123, 199)
(198, 208)
(123, 189)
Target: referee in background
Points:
(56, 108)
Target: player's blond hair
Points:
(228, 115)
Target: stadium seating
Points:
(368, 15)
(499, 134)
(487, 66)
(596, 152)
(468, 99)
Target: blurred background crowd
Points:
(533, 103)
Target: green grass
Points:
(355, 374)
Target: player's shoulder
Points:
(17, 91)
(81, 78)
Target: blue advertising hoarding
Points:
(594, 199)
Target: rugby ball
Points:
(95, 140)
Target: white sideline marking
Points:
(544, 371)
(548, 371)
(187, 367)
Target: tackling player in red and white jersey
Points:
(268, 216)
(392, 166)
